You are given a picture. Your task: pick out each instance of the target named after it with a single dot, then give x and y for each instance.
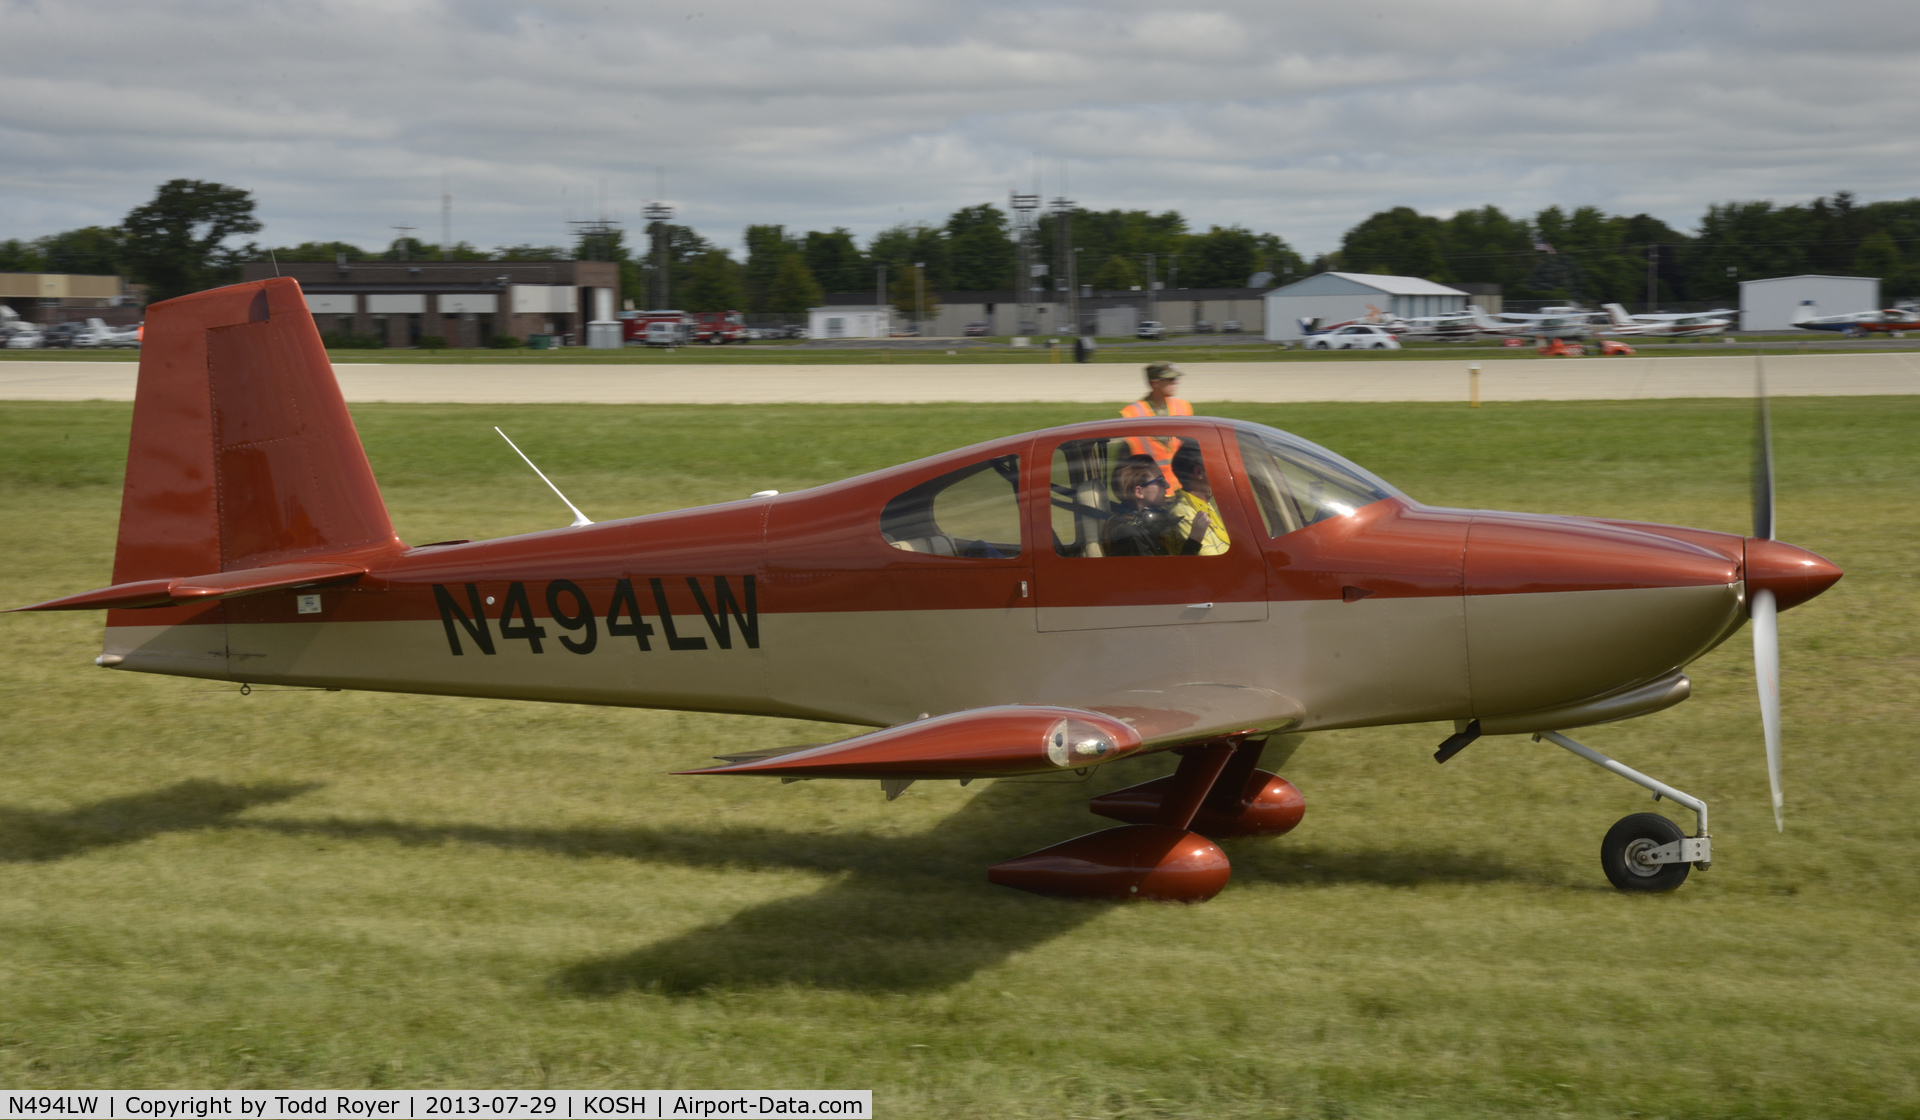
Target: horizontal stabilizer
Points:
(982, 743)
(199, 589)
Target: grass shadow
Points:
(903, 913)
(1276, 861)
(28, 836)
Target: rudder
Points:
(242, 451)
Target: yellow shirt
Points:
(1186, 506)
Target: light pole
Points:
(880, 298)
(919, 297)
(1073, 290)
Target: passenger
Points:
(1162, 379)
(1195, 501)
(1142, 526)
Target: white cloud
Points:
(344, 118)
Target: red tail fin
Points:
(243, 453)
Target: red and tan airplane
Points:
(977, 606)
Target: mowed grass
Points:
(337, 889)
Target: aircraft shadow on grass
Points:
(903, 913)
(30, 836)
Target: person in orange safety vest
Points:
(1162, 379)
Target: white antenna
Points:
(579, 518)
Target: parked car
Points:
(1231, 326)
(1355, 336)
(26, 338)
(976, 330)
(1150, 328)
(1203, 326)
(62, 336)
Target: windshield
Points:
(1296, 483)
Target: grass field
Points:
(293, 889)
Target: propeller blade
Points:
(1762, 456)
(1766, 670)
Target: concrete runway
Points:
(1557, 379)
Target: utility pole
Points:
(879, 297)
(657, 214)
(1653, 259)
(446, 220)
(1073, 290)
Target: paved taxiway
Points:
(1273, 382)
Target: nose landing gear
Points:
(1645, 851)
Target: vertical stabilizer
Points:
(242, 451)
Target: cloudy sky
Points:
(345, 118)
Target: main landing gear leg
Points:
(1645, 851)
(1159, 860)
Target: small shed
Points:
(1771, 304)
(854, 321)
(1333, 297)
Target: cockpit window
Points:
(1134, 496)
(1296, 483)
(973, 512)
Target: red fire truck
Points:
(717, 328)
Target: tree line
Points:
(1591, 256)
(179, 242)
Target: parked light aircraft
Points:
(1550, 322)
(1668, 325)
(995, 610)
(1857, 322)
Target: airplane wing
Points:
(1013, 739)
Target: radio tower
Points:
(1063, 270)
(1027, 270)
(657, 214)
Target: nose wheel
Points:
(1645, 851)
(1631, 853)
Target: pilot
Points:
(1194, 501)
(1162, 379)
(1142, 526)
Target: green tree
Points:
(1278, 258)
(710, 282)
(88, 251)
(768, 250)
(318, 251)
(410, 249)
(903, 246)
(21, 256)
(793, 289)
(176, 243)
(1396, 242)
(980, 255)
(1879, 257)
(1220, 258)
(1115, 274)
(836, 262)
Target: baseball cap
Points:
(1162, 371)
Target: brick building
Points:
(464, 302)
